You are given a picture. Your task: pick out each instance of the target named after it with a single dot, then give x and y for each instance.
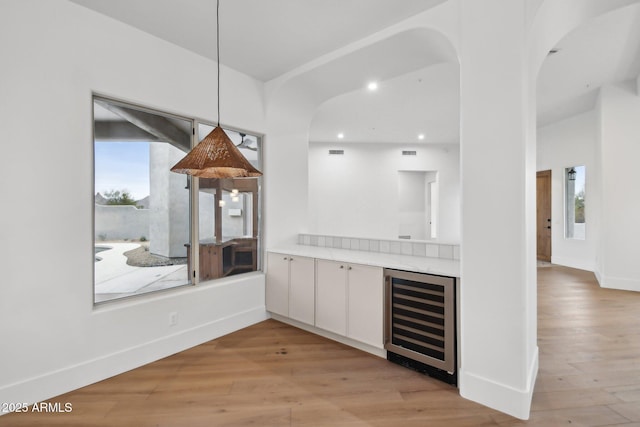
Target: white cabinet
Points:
(277, 287)
(350, 301)
(290, 286)
(365, 306)
(331, 296)
(302, 289)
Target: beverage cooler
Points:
(420, 323)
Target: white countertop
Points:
(439, 266)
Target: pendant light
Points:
(216, 156)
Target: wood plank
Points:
(272, 374)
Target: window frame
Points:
(569, 231)
(192, 278)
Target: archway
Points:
(587, 92)
(294, 103)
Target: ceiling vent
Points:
(336, 152)
(409, 153)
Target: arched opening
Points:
(587, 94)
(409, 123)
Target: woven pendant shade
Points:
(216, 157)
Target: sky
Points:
(122, 166)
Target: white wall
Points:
(120, 222)
(619, 151)
(356, 194)
(169, 202)
(572, 142)
(55, 54)
(285, 149)
(206, 216)
(499, 355)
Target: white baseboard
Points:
(73, 377)
(380, 352)
(578, 263)
(620, 283)
(502, 397)
(598, 276)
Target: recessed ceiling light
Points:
(372, 86)
(340, 135)
(421, 136)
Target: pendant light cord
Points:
(218, 52)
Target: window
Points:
(228, 214)
(143, 222)
(575, 202)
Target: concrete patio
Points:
(115, 279)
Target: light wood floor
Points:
(271, 374)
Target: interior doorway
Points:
(417, 204)
(543, 215)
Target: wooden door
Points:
(543, 214)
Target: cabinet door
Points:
(302, 289)
(365, 293)
(277, 285)
(331, 296)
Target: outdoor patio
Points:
(115, 279)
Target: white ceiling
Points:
(266, 39)
(425, 102)
(261, 38)
(604, 51)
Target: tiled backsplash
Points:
(399, 247)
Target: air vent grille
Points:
(336, 152)
(409, 153)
